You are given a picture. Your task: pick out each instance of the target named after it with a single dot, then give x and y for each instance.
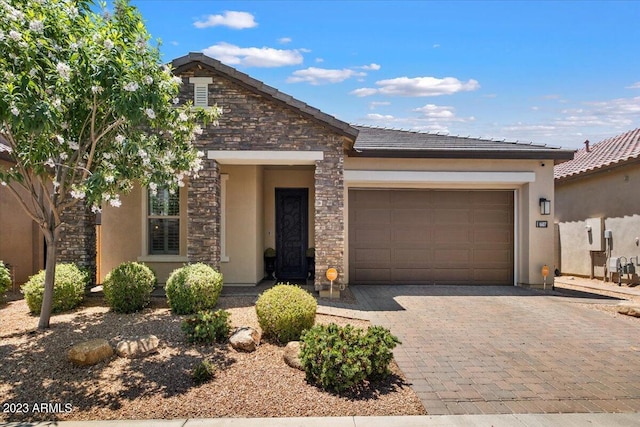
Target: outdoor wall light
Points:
(545, 206)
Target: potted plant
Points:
(311, 263)
(270, 262)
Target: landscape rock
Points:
(292, 355)
(138, 346)
(629, 309)
(245, 339)
(89, 353)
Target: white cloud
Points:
(317, 76)
(231, 19)
(371, 67)
(418, 86)
(432, 111)
(436, 45)
(375, 104)
(636, 85)
(319, 60)
(380, 117)
(253, 56)
(285, 40)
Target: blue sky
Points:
(548, 72)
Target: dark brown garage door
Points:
(430, 237)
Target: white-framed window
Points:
(163, 222)
(201, 90)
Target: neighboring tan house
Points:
(381, 206)
(598, 206)
(21, 243)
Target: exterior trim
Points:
(375, 178)
(263, 157)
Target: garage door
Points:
(430, 237)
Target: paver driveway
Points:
(486, 350)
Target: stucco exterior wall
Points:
(610, 196)
(533, 246)
(243, 264)
(21, 243)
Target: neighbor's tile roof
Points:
(605, 154)
(381, 142)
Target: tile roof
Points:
(605, 154)
(381, 142)
(264, 89)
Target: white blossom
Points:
(108, 44)
(96, 209)
(14, 110)
(200, 153)
(197, 130)
(57, 103)
(119, 139)
(115, 202)
(153, 187)
(15, 35)
(56, 184)
(131, 87)
(74, 145)
(183, 116)
(150, 113)
(64, 156)
(96, 89)
(60, 139)
(177, 80)
(50, 163)
(2, 36)
(36, 26)
(77, 194)
(147, 80)
(176, 100)
(109, 178)
(4, 184)
(64, 70)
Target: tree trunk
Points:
(49, 279)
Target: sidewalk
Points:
(597, 286)
(515, 420)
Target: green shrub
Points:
(203, 372)
(68, 289)
(128, 287)
(193, 288)
(339, 358)
(207, 327)
(284, 311)
(5, 280)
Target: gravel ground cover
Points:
(38, 383)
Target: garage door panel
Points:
(431, 236)
(373, 217)
(366, 237)
(451, 216)
(373, 257)
(493, 236)
(410, 237)
(415, 258)
(452, 234)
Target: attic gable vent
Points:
(201, 90)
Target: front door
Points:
(291, 232)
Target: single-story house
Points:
(381, 206)
(598, 208)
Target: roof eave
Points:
(556, 155)
(594, 171)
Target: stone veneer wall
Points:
(253, 122)
(78, 238)
(203, 239)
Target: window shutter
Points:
(201, 96)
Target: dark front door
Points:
(291, 232)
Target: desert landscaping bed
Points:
(35, 370)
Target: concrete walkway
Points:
(507, 350)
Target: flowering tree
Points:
(86, 110)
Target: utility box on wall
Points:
(594, 228)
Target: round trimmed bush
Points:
(284, 311)
(5, 280)
(193, 288)
(68, 289)
(128, 287)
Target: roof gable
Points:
(194, 59)
(606, 154)
(380, 142)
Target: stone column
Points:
(203, 213)
(77, 242)
(329, 216)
